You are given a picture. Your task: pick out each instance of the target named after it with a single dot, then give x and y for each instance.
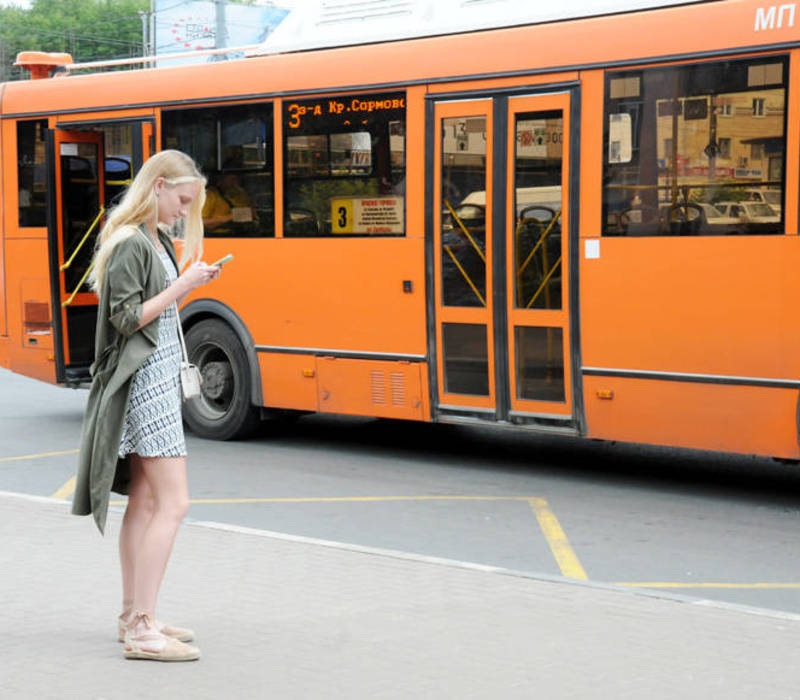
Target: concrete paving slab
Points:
(286, 617)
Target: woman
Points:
(132, 440)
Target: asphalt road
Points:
(695, 523)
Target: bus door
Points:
(501, 260)
(94, 162)
(463, 258)
(537, 333)
(80, 199)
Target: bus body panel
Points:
(350, 386)
(745, 419)
(289, 381)
(326, 294)
(372, 388)
(717, 305)
(591, 196)
(31, 334)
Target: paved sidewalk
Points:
(284, 617)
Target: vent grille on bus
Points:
(338, 11)
(398, 389)
(378, 384)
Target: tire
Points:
(223, 411)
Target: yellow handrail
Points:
(544, 282)
(464, 229)
(80, 284)
(539, 243)
(83, 240)
(517, 255)
(465, 275)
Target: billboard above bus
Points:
(194, 25)
(317, 25)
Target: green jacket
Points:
(134, 273)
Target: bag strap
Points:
(175, 304)
(180, 334)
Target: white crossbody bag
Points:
(191, 379)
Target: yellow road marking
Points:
(553, 532)
(37, 456)
(66, 490)
(557, 539)
(559, 544)
(343, 499)
(356, 499)
(697, 584)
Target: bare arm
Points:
(196, 275)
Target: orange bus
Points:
(512, 226)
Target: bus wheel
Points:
(223, 411)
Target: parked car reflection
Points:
(749, 212)
(680, 219)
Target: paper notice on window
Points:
(242, 215)
(368, 215)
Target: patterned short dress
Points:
(153, 423)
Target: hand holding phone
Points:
(223, 260)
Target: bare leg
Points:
(148, 553)
(137, 516)
(166, 477)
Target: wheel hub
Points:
(217, 380)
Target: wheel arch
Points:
(203, 309)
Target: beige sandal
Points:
(144, 641)
(179, 633)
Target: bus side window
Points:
(31, 173)
(233, 146)
(682, 139)
(344, 165)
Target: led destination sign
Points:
(304, 115)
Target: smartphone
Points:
(223, 260)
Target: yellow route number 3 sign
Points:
(362, 215)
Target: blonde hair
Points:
(139, 205)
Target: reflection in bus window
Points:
(80, 190)
(344, 165)
(118, 175)
(31, 176)
(537, 202)
(693, 139)
(463, 217)
(233, 145)
(307, 156)
(117, 161)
